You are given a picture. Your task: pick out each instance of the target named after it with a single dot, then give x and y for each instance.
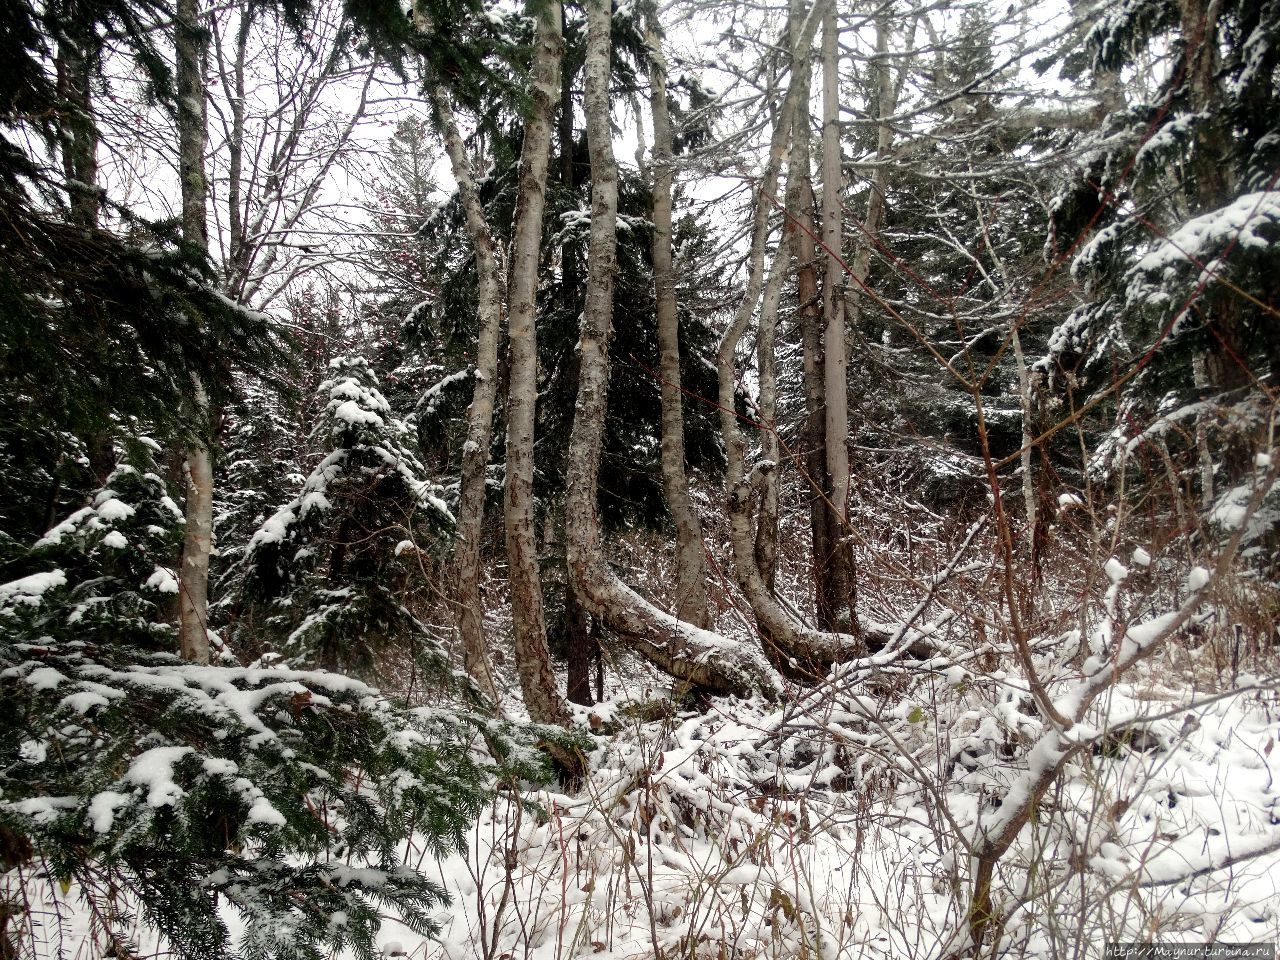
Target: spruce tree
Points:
(1173, 226)
(143, 785)
(333, 562)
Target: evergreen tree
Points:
(1174, 225)
(156, 784)
(140, 782)
(113, 560)
(334, 562)
(148, 782)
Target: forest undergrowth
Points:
(847, 530)
(851, 816)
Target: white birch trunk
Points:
(695, 656)
(529, 631)
(197, 541)
(475, 452)
(691, 567)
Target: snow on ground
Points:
(759, 831)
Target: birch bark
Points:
(691, 567)
(697, 657)
(529, 630)
(475, 451)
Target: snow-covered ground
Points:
(838, 830)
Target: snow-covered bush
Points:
(106, 573)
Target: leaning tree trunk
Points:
(197, 541)
(835, 355)
(475, 451)
(796, 649)
(691, 567)
(690, 654)
(529, 630)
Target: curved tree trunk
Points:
(796, 649)
(475, 452)
(197, 541)
(688, 653)
(529, 630)
(691, 567)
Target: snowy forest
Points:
(673, 479)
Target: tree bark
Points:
(765, 549)
(236, 267)
(475, 451)
(78, 131)
(568, 249)
(691, 567)
(800, 206)
(529, 630)
(835, 355)
(580, 649)
(197, 542)
(78, 140)
(796, 649)
(695, 656)
(822, 528)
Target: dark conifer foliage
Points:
(148, 786)
(1002, 494)
(336, 557)
(282, 794)
(1172, 228)
(95, 321)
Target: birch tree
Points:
(197, 543)
(529, 630)
(692, 655)
(475, 451)
(691, 567)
